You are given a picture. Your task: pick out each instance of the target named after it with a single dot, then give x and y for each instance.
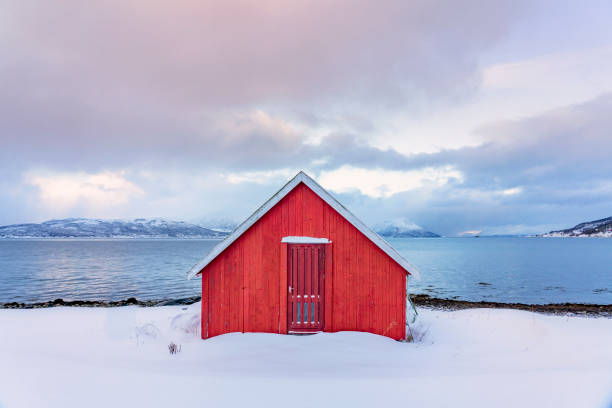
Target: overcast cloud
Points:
(421, 110)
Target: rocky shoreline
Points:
(551, 308)
(101, 303)
(419, 300)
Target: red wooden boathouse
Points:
(303, 263)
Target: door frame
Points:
(284, 288)
(311, 254)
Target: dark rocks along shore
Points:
(551, 308)
(419, 300)
(99, 303)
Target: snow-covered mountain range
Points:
(222, 224)
(97, 228)
(597, 228)
(162, 228)
(403, 229)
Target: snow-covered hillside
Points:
(222, 224)
(97, 228)
(118, 357)
(597, 228)
(402, 229)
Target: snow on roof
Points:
(305, 240)
(302, 177)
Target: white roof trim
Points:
(302, 177)
(305, 240)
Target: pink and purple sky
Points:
(471, 115)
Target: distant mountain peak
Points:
(401, 228)
(598, 228)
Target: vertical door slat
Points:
(295, 283)
(315, 286)
(307, 274)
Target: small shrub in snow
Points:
(147, 331)
(415, 333)
(187, 323)
(173, 348)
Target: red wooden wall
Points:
(242, 289)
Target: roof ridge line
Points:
(302, 177)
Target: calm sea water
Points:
(526, 270)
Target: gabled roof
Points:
(302, 177)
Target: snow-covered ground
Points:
(118, 357)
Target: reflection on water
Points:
(526, 270)
(39, 270)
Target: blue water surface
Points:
(525, 270)
(109, 269)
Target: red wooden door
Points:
(306, 287)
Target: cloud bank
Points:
(98, 84)
(138, 108)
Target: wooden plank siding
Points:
(244, 289)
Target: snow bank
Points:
(94, 357)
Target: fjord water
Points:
(99, 269)
(524, 270)
(516, 270)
